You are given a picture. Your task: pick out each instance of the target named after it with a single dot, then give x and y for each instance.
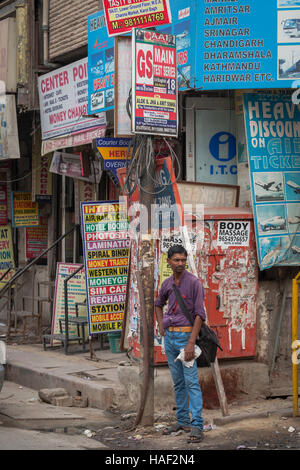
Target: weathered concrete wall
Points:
(68, 25)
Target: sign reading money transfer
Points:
(122, 16)
(154, 83)
(106, 245)
(273, 137)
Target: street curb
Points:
(240, 417)
(97, 395)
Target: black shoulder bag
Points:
(207, 340)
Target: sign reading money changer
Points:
(106, 245)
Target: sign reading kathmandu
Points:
(273, 131)
(239, 44)
(106, 245)
(154, 83)
(124, 15)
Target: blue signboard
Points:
(246, 44)
(184, 28)
(115, 152)
(273, 139)
(220, 45)
(236, 45)
(101, 65)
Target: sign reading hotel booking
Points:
(106, 245)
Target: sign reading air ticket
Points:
(106, 246)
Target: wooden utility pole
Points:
(145, 278)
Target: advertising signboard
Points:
(63, 96)
(6, 253)
(36, 239)
(123, 66)
(9, 136)
(154, 83)
(76, 293)
(25, 212)
(122, 17)
(273, 129)
(237, 50)
(106, 245)
(114, 152)
(101, 65)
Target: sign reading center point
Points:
(106, 245)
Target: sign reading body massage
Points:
(273, 139)
(106, 245)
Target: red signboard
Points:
(37, 239)
(124, 15)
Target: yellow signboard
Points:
(25, 212)
(6, 254)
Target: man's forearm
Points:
(196, 329)
(159, 316)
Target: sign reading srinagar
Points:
(243, 44)
(106, 245)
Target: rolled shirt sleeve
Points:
(198, 298)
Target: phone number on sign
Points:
(138, 21)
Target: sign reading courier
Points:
(106, 245)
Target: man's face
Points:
(177, 262)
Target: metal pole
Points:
(146, 270)
(295, 345)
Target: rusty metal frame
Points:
(295, 343)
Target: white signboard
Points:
(233, 233)
(9, 137)
(63, 97)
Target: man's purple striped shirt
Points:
(192, 292)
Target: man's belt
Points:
(184, 329)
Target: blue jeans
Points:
(185, 380)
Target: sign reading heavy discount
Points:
(122, 16)
(106, 245)
(154, 83)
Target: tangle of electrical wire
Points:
(142, 157)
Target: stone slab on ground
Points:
(36, 411)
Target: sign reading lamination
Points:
(154, 83)
(106, 245)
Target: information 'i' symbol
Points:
(222, 146)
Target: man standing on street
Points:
(179, 334)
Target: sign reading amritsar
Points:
(106, 257)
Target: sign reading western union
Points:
(106, 253)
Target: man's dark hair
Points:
(176, 249)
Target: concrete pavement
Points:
(112, 381)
